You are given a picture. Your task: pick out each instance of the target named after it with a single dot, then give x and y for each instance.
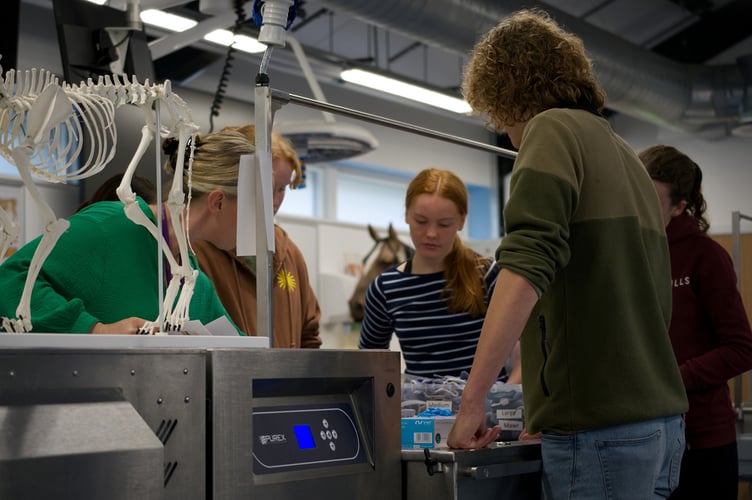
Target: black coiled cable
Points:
(226, 70)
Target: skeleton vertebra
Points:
(48, 108)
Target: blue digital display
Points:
(304, 437)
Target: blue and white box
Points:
(426, 432)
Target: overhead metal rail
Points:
(282, 98)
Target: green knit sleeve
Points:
(53, 308)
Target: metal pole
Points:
(263, 141)
(284, 98)
(160, 211)
(736, 252)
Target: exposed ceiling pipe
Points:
(638, 82)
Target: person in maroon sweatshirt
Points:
(709, 331)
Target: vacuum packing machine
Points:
(153, 418)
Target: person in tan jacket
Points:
(295, 308)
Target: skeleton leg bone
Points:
(51, 107)
(53, 229)
(180, 288)
(134, 213)
(176, 206)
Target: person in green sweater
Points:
(585, 280)
(102, 275)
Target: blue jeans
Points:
(634, 461)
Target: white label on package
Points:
(510, 425)
(422, 437)
(515, 413)
(440, 403)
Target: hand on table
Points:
(129, 326)
(469, 430)
(524, 436)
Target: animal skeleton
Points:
(37, 115)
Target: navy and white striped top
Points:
(433, 341)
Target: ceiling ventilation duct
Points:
(326, 140)
(638, 82)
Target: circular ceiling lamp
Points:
(323, 140)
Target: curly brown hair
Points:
(528, 64)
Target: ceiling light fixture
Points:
(165, 20)
(241, 42)
(406, 90)
(327, 140)
(175, 23)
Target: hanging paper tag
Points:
(254, 211)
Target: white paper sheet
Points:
(254, 169)
(220, 327)
(192, 327)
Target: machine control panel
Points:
(305, 437)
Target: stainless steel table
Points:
(504, 471)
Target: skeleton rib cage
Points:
(43, 125)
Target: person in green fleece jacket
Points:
(585, 279)
(102, 275)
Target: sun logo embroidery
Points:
(286, 280)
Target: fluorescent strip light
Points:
(166, 20)
(175, 23)
(241, 42)
(402, 89)
(160, 19)
(220, 37)
(248, 44)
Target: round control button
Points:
(325, 423)
(332, 446)
(334, 434)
